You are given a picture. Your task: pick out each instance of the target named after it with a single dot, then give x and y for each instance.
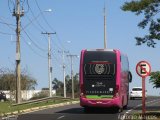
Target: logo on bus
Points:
(99, 68)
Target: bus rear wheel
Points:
(125, 107)
(87, 110)
(118, 109)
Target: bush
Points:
(42, 94)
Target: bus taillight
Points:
(116, 93)
(82, 91)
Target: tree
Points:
(155, 79)
(76, 84)
(58, 85)
(68, 84)
(150, 10)
(8, 80)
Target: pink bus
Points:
(104, 79)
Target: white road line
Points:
(149, 102)
(130, 110)
(60, 117)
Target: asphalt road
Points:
(75, 112)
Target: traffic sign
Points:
(143, 69)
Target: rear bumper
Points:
(136, 96)
(116, 102)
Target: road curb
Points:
(16, 113)
(134, 109)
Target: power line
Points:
(43, 29)
(28, 6)
(10, 1)
(9, 25)
(60, 42)
(44, 16)
(49, 24)
(6, 33)
(35, 52)
(33, 41)
(55, 57)
(22, 4)
(30, 22)
(55, 44)
(45, 20)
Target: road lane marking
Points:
(128, 111)
(60, 117)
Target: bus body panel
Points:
(120, 98)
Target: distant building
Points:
(26, 94)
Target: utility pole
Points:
(18, 14)
(71, 57)
(105, 42)
(64, 81)
(49, 63)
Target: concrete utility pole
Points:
(71, 57)
(105, 42)
(49, 63)
(18, 14)
(64, 81)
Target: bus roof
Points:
(100, 49)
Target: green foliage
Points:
(155, 79)
(42, 94)
(150, 10)
(6, 107)
(8, 80)
(58, 85)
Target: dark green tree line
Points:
(58, 85)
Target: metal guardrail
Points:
(42, 100)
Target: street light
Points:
(48, 10)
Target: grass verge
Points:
(6, 107)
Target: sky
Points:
(78, 25)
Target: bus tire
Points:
(120, 110)
(87, 110)
(125, 107)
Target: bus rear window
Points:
(100, 63)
